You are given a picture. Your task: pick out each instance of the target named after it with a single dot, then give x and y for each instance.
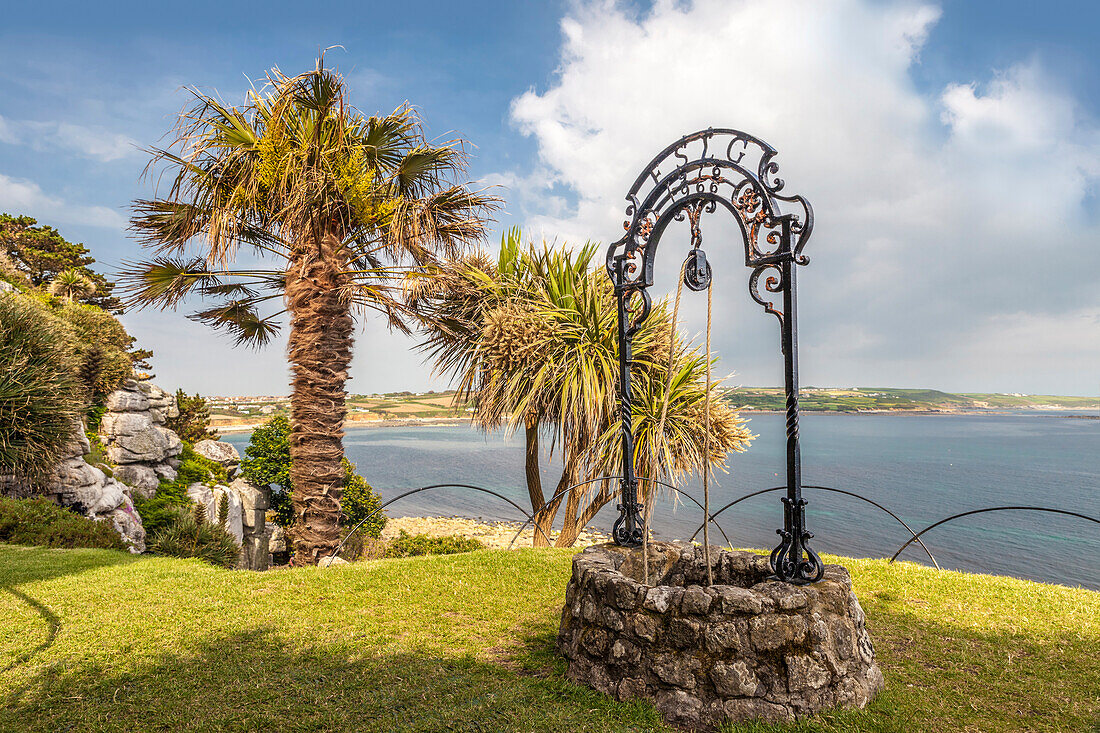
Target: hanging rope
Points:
(706, 452)
(664, 409)
(696, 240)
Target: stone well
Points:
(746, 647)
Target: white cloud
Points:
(937, 213)
(18, 196)
(88, 142)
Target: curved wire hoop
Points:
(916, 537)
(431, 488)
(566, 490)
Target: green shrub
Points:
(193, 422)
(100, 344)
(38, 521)
(359, 501)
(194, 468)
(410, 545)
(93, 418)
(40, 398)
(188, 535)
(267, 461)
(160, 511)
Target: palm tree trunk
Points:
(544, 519)
(568, 478)
(598, 502)
(319, 350)
(534, 479)
(574, 522)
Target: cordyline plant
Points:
(533, 341)
(341, 203)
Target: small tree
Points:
(360, 501)
(533, 340)
(193, 422)
(266, 462)
(42, 254)
(71, 285)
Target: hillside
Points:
(376, 408)
(101, 640)
(862, 399)
(379, 408)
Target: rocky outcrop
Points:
(219, 452)
(89, 490)
(135, 436)
(747, 647)
(241, 508)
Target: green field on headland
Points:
(391, 406)
(863, 399)
(96, 640)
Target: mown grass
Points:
(95, 640)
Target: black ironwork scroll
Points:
(700, 173)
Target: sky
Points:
(951, 152)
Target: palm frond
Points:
(242, 321)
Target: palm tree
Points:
(532, 339)
(342, 203)
(71, 285)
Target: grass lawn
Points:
(95, 640)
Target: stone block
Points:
(645, 627)
(142, 478)
(738, 600)
(676, 669)
(735, 679)
(684, 632)
(695, 601)
(726, 636)
(679, 708)
(805, 671)
(776, 631)
(218, 452)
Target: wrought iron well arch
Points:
(712, 168)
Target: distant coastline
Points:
(412, 422)
(404, 422)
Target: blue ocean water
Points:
(922, 467)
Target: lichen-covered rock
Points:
(143, 479)
(277, 543)
(219, 452)
(123, 401)
(254, 503)
(128, 524)
(203, 496)
(221, 505)
(135, 438)
(748, 647)
(87, 489)
(162, 404)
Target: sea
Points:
(923, 468)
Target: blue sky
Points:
(951, 150)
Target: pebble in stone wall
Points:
(743, 648)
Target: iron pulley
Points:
(697, 274)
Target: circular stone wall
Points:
(746, 647)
